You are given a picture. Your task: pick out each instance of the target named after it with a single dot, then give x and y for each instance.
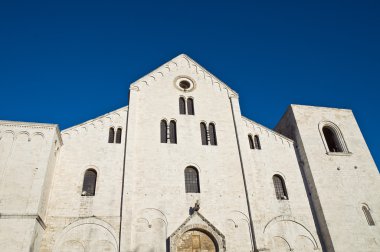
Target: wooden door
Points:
(195, 241)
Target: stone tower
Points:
(340, 175)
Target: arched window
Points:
(204, 133)
(173, 132)
(250, 140)
(182, 106)
(279, 187)
(190, 106)
(212, 133)
(191, 180)
(89, 183)
(118, 135)
(368, 216)
(164, 131)
(257, 142)
(332, 139)
(111, 135)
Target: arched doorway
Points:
(195, 241)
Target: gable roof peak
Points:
(172, 65)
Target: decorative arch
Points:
(289, 229)
(79, 231)
(332, 138)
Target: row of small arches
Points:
(112, 134)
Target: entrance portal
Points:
(195, 241)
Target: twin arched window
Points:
(280, 188)
(172, 130)
(208, 136)
(192, 180)
(89, 183)
(333, 138)
(189, 102)
(368, 215)
(254, 143)
(111, 135)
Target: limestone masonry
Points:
(181, 170)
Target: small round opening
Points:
(184, 84)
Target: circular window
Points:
(184, 84)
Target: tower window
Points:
(250, 140)
(182, 106)
(173, 132)
(183, 103)
(111, 135)
(190, 106)
(332, 139)
(212, 133)
(192, 180)
(257, 142)
(164, 130)
(89, 183)
(368, 216)
(280, 188)
(204, 133)
(118, 135)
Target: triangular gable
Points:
(185, 60)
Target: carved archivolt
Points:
(198, 222)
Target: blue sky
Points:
(68, 61)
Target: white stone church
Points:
(181, 170)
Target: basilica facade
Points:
(180, 169)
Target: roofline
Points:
(34, 125)
(94, 119)
(272, 131)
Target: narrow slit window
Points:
(182, 106)
(192, 180)
(257, 142)
(118, 135)
(111, 135)
(250, 140)
(280, 188)
(89, 183)
(190, 106)
(164, 131)
(368, 216)
(204, 134)
(212, 133)
(173, 132)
